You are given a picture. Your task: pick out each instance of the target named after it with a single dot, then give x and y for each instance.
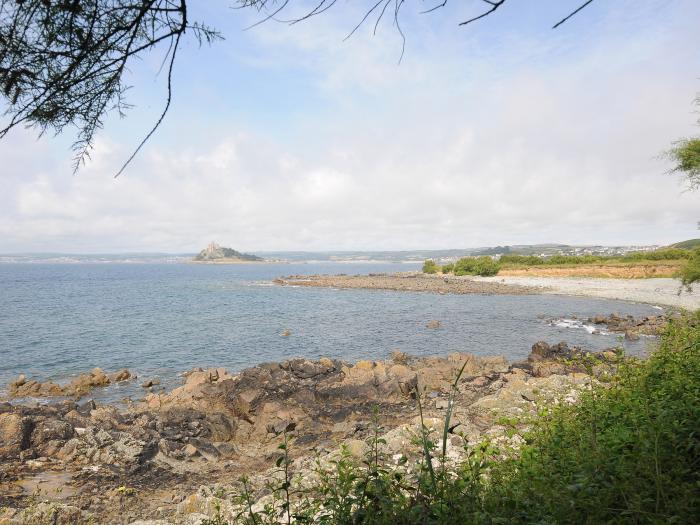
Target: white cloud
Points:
(439, 152)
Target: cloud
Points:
(525, 144)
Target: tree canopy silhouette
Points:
(62, 62)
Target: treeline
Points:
(666, 254)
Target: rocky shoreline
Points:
(169, 458)
(409, 282)
(655, 291)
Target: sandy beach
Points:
(663, 292)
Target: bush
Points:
(429, 266)
(627, 453)
(484, 266)
(448, 268)
(528, 260)
(666, 254)
(690, 273)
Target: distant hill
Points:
(690, 244)
(219, 254)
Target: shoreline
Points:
(151, 459)
(653, 291)
(408, 282)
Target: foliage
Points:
(690, 244)
(690, 273)
(62, 63)
(447, 268)
(685, 155)
(484, 266)
(626, 452)
(664, 254)
(429, 266)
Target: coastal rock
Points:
(15, 434)
(631, 335)
(21, 387)
(218, 426)
(545, 360)
(648, 325)
(109, 448)
(78, 387)
(121, 375)
(47, 513)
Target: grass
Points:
(627, 452)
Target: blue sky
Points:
(290, 137)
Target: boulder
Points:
(121, 375)
(15, 434)
(50, 513)
(631, 335)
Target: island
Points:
(214, 253)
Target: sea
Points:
(160, 318)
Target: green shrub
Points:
(665, 254)
(690, 273)
(448, 268)
(484, 266)
(529, 260)
(429, 266)
(626, 453)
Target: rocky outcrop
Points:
(560, 358)
(632, 326)
(218, 425)
(78, 387)
(409, 281)
(214, 253)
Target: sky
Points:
(285, 137)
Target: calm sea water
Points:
(58, 320)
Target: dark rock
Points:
(86, 407)
(631, 335)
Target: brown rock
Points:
(631, 335)
(15, 434)
(121, 375)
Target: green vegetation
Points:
(627, 452)
(429, 266)
(685, 154)
(690, 244)
(484, 266)
(665, 254)
(448, 268)
(683, 263)
(690, 273)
